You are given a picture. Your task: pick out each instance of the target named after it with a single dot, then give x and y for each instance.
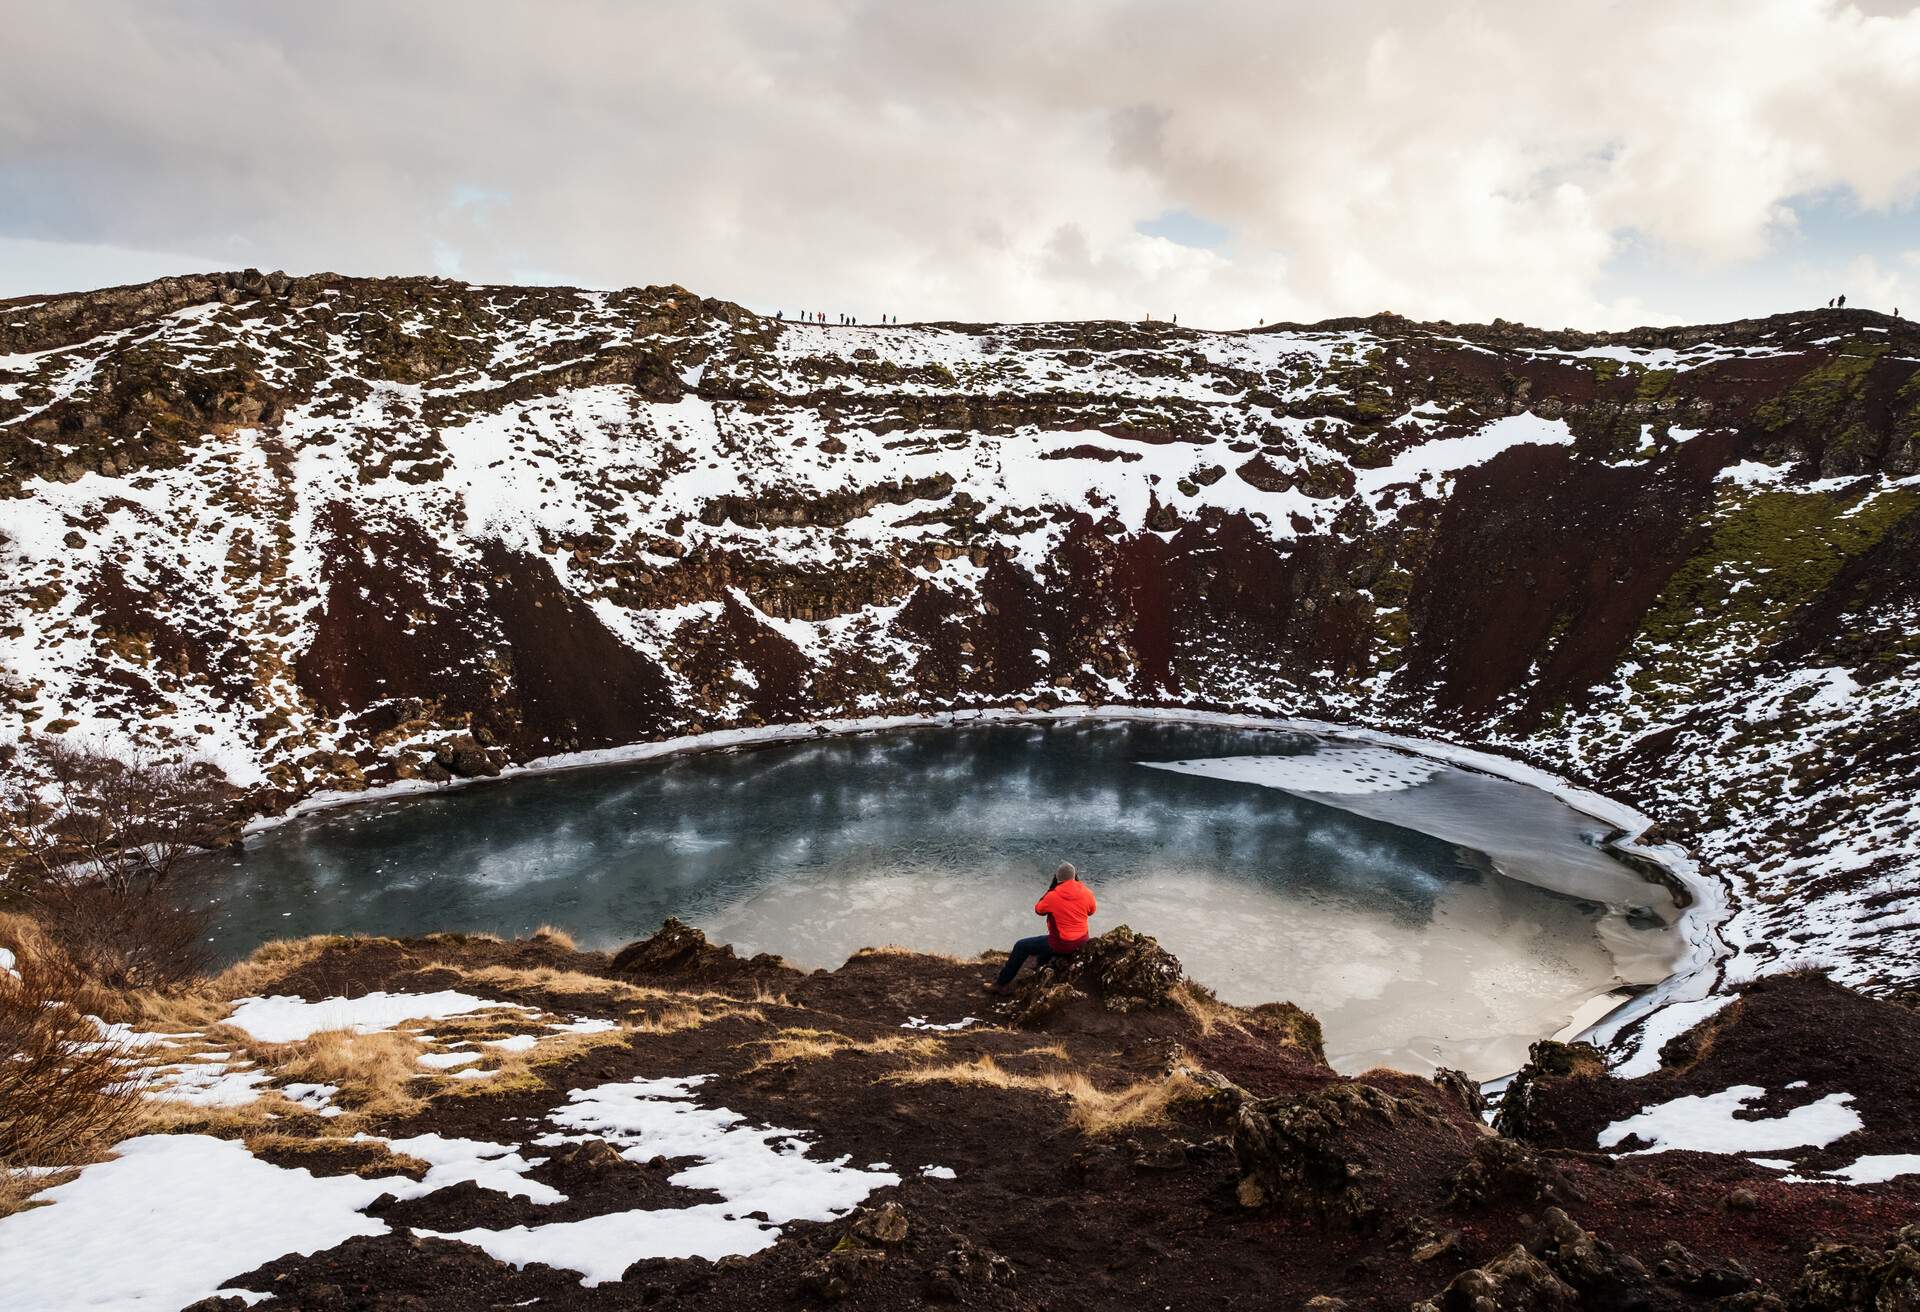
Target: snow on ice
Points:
(1323, 770)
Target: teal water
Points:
(1412, 948)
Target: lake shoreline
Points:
(1705, 907)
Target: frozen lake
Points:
(1428, 915)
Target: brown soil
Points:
(1386, 1189)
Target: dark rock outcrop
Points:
(1522, 1114)
(1883, 1277)
(678, 951)
(1317, 1155)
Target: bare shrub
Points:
(65, 1090)
(97, 850)
(125, 940)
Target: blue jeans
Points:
(1035, 947)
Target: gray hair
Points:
(1066, 871)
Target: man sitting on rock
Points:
(1067, 905)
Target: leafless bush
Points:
(123, 822)
(65, 1092)
(96, 850)
(130, 940)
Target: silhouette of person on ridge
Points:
(1067, 904)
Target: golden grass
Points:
(17, 1188)
(375, 1072)
(165, 1116)
(675, 1019)
(1057, 1051)
(556, 936)
(1091, 1110)
(815, 1045)
(1207, 1011)
(563, 983)
(206, 1002)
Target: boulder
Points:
(966, 1268)
(1884, 1276)
(1516, 1281)
(1040, 1005)
(862, 1247)
(465, 758)
(883, 1226)
(1502, 1170)
(1463, 1089)
(1523, 1113)
(1316, 1154)
(1705, 1277)
(1124, 970)
(679, 951)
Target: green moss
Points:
(1767, 553)
(1652, 384)
(1826, 401)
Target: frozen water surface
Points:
(1427, 914)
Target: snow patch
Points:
(1879, 1168)
(288, 1019)
(1662, 1027)
(764, 1170)
(1706, 1123)
(168, 1222)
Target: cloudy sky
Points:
(1595, 164)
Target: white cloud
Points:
(988, 160)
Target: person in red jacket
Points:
(1067, 905)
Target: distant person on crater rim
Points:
(1067, 904)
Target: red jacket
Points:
(1066, 907)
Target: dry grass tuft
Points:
(556, 936)
(1057, 1051)
(1207, 1011)
(205, 1002)
(814, 1045)
(375, 1072)
(675, 1019)
(560, 983)
(1091, 1110)
(17, 1188)
(165, 1116)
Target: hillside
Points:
(333, 533)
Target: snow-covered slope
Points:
(329, 532)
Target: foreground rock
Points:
(1152, 1148)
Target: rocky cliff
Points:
(333, 532)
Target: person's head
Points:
(1065, 872)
